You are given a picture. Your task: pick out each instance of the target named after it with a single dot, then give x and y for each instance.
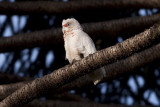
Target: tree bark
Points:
(6, 90)
(50, 103)
(119, 67)
(132, 63)
(95, 30)
(66, 74)
(113, 70)
(49, 7)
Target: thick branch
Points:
(49, 7)
(54, 36)
(50, 103)
(120, 67)
(66, 74)
(113, 70)
(66, 96)
(133, 62)
(8, 89)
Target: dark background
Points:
(139, 87)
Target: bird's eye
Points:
(68, 24)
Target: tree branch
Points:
(6, 90)
(119, 67)
(50, 103)
(101, 29)
(66, 74)
(133, 62)
(113, 70)
(66, 96)
(49, 7)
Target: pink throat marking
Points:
(69, 31)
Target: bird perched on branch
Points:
(78, 45)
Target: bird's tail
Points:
(97, 75)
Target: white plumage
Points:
(78, 45)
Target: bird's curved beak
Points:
(65, 25)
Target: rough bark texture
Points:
(66, 74)
(133, 62)
(113, 70)
(49, 103)
(6, 90)
(49, 7)
(122, 66)
(54, 36)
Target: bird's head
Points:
(70, 25)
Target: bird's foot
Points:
(74, 61)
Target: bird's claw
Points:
(74, 61)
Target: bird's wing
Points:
(88, 44)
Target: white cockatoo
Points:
(78, 45)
